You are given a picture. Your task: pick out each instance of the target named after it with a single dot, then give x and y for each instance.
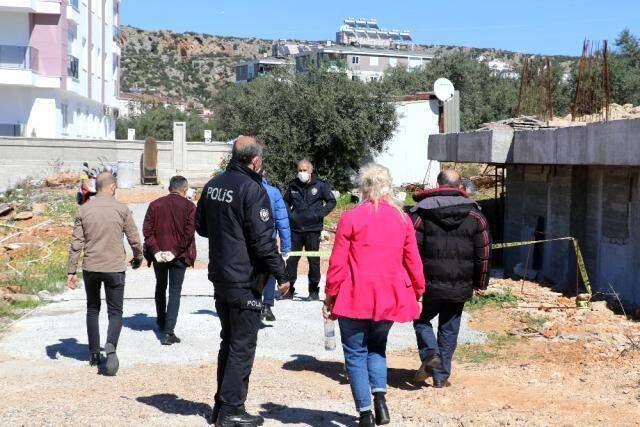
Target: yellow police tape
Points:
(581, 266)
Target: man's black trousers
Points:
(239, 311)
(171, 273)
(310, 242)
(114, 292)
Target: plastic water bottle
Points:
(329, 334)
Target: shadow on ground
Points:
(396, 377)
(209, 312)
(172, 404)
(312, 417)
(69, 348)
(142, 322)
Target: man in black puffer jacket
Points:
(455, 246)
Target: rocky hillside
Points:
(187, 66)
(191, 66)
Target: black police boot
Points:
(380, 408)
(314, 296)
(267, 314)
(366, 419)
(232, 417)
(169, 339)
(112, 364)
(95, 359)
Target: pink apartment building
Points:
(59, 68)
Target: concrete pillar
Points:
(179, 146)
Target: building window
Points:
(374, 79)
(373, 61)
(355, 78)
(355, 59)
(393, 62)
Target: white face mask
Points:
(304, 176)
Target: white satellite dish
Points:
(443, 89)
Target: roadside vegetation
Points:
(33, 251)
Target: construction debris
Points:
(62, 179)
(6, 209)
(517, 123)
(23, 216)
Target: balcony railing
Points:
(19, 57)
(75, 4)
(73, 67)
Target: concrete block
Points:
(571, 146)
(495, 146)
(474, 147)
(535, 147)
(437, 148)
(502, 145)
(614, 143)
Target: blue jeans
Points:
(364, 343)
(269, 294)
(449, 317)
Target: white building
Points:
(59, 68)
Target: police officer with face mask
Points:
(309, 200)
(234, 213)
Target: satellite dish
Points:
(443, 89)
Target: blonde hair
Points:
(376, 184)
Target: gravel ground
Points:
(57, 333)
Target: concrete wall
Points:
(599, 205)
(36, 157)
(406, 155)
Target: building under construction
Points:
(580, 181)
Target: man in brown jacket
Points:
(98, 230)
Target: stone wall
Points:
(22, 158)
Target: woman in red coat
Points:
(375, 278)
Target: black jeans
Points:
(310, 241)
(239, 312)
(173, 274)
(114, 292)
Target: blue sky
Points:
(533, 26)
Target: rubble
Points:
(62, 179)
(23, 216)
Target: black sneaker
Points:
(113, 364)
(267, 314)
(169, 339)
(314, 296)
(95, 359)
(239, 419)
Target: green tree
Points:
(157, 121)
(484, 96)
(624, 69)
(335, 122)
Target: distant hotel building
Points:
(59, 68)
(364, 50)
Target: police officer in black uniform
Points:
(234, 213)
(309, 200)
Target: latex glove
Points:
(72, 281)
(159, 256)
(168, 256)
